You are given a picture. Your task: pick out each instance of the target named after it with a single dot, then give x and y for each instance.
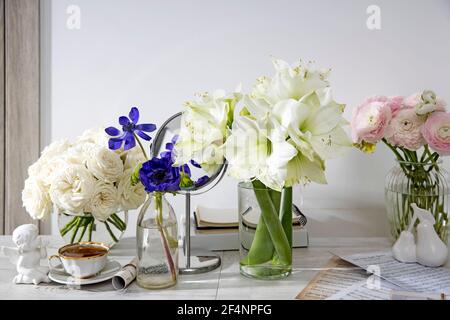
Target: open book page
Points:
(336, 276)
(408, 276)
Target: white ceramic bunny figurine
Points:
(431, 251)
(27, 255)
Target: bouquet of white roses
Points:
(281, 135)
(86, 180)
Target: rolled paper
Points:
(124, 277)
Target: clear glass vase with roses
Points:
(87, 185)
(417, 130)
(275, 137)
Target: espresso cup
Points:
(81, 260)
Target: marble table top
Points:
(223, 283)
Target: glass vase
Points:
(265, 231)
(425, 184)
(157, 244)
(85, 228)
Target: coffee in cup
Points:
(81, 260)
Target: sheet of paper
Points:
(409, 277)
(367, 290)
(336, 276)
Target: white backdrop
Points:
(157, 54)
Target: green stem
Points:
(115, 224)
(91, 229)
(110, 232)
(116, 218)
(273, 223)
(286, 213)
(140, 145)
(85, 226)
(159, 219)
(77, 226)
(69, 226)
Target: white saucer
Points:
(111, 268)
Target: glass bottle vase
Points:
(157, 244)
(425, 184)
(265, 231)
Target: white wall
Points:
(157, 54)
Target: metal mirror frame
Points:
(203, 262)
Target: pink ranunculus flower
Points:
(425, 102)
(370, 120)
(405, 130)
(436, 132)
(395, 103)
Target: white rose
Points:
(105, 165)
(133, 158)
(79, 153)
(131, 197)
(104, 202)
(36, 199)
(98, 137)
(72, 189)
(55, 149)
(47, 170)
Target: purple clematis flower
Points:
(130, 128)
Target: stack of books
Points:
(218, 229)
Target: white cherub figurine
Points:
(27, 255)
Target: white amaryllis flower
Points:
(315, 127)
(130, 196)
(105, 164)
(104, 201)
(258, 149)
(72, 189)
(36, 200)
(204, 129)
(290, 82)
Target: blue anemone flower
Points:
(130, 128)
(159, 175)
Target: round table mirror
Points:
(199, 262)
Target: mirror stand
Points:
(195, 264)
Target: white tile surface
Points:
(223, 283)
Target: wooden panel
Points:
(2, 116)
(22, 103)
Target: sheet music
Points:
(341, 280)
(410, 277)
(365, 290)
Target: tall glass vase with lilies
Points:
(273, 138)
